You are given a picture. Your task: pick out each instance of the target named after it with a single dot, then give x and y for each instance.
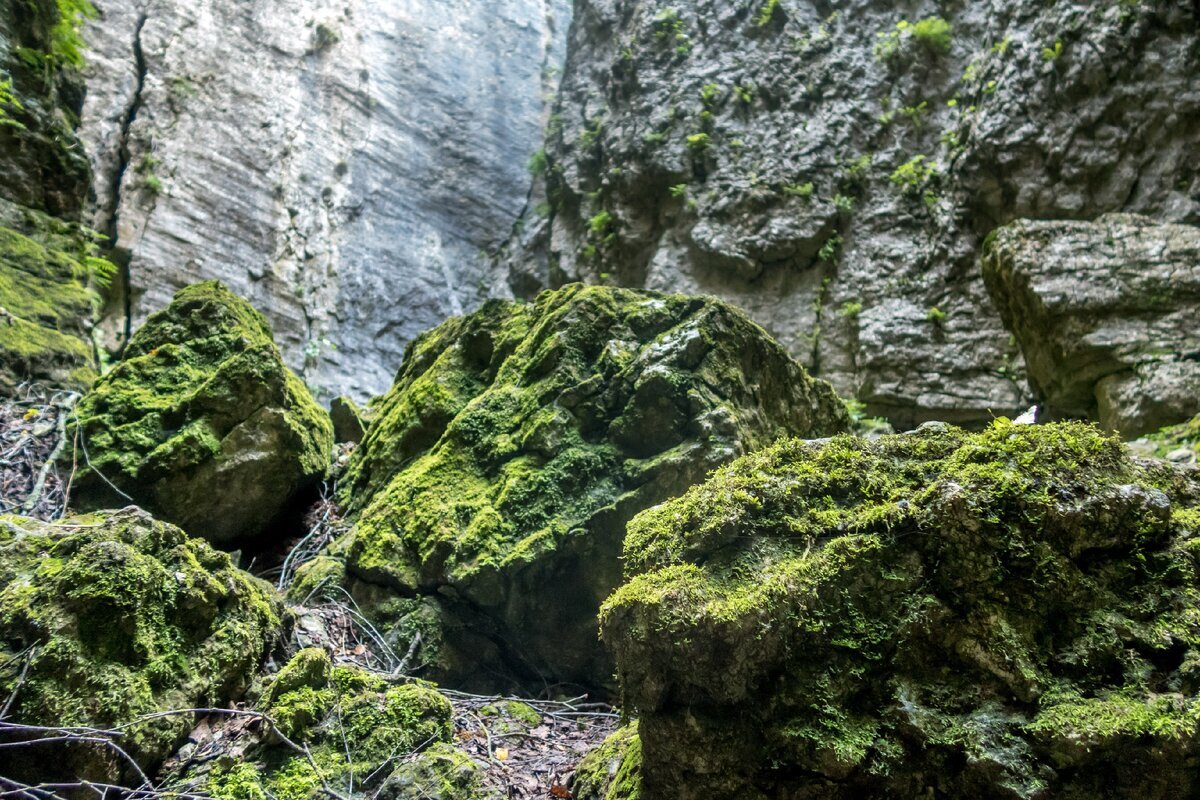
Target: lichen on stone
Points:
(517, 442)
(1013, 613)
(201, 422)
(123, 616)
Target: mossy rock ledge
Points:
(202, 423)
(500, 470)
(123, 616)
(47, 300)
(1008, 614)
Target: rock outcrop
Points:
(42, 165)
(1009, 614)
(498, 474)
(342, 167)
(110, 617)
(1107, 314)
(835, 174)
(49, 268)
(201, 422)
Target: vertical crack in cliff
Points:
(121, 256)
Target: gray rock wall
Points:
(341, 165)
(1106, 313)
(836, 175)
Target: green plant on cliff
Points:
(9, 103)
(768, 11)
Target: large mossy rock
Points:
(1009, 614)
(1107, 314)
(109, 617)
(48, 269)
(499, 472)
(201, 422)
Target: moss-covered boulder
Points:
(345, 728)
(109, 617)
(1009, 614)
(201, 422)
(48, 271)
(613, 771)
(499, 472)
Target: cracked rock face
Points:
(341, 166)
(499, 472)
(1107, 314)
(836, 174)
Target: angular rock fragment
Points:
(1009, 614)
(110, 617)
(1107, 314)
(499, 472)
(201, 422)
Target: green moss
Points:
(47, 304)
(517, 441)
(981, 607)
(359, 729)
(613, 770)
(127, 616)
(203, 402)
(1185, 435)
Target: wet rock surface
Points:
(494, 484)
(834, 171)
(201, 422)
(1106, 313)
(1005, 614)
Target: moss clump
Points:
(1185, 436)
(202, 422)
(47, 305)
(440, 773)
(1009, 613)
(357, 726)
(613, 771)
(125, 616)
(518, 441)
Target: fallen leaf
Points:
(558, 790)
(501, 754)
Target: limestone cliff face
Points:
(835, 168)
(342, 166)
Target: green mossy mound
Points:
(201, 422)
(613, 771)
(1009, 614)
(500, 470)
(380, 739)
(46, 304)
(125, 616)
